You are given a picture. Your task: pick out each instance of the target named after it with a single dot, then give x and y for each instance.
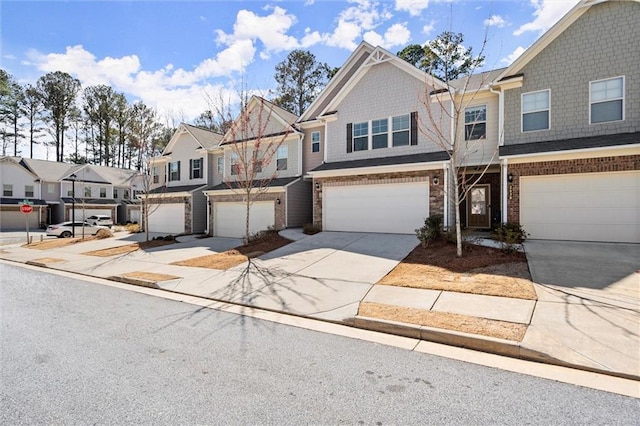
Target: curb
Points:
(479, 343)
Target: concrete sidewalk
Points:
(327, 276)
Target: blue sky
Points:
(173, 55)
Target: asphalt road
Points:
(76, 352)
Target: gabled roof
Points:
(118, 177)
(548, 37)
(476, 82)
(50, 171)
(205, 138)
(425, 157)
(378, 56)
(17, 162)
(350, 66)
(283, 117)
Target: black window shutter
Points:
(201, 167)
(167, 176)
(349, 137)
(178, 170)
(414, 128)
(190, 168)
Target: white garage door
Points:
(134, 215)
(17, 221)
(582, 207)
(166, 218)
(80, 213)
(389, 208)
(229, 218)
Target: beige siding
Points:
(311, 160)
(269, 163)
(480, 151)
(384, 91)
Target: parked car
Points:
(65, 230)
(100, 219)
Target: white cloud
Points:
(495, 21)
(363, 16)
(546, 13)
(428, 29)
(414, 7)
(513, 56)
(396, 35)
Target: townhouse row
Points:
(551, 142)
(51, 186)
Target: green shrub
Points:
(431, 231)
(508, 235)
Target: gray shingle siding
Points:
(602, 43)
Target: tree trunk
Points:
(456, 194)
(246, 224)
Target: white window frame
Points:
(177, 171)
(115, 192)
(220, 165)
(475, 122)
(522, 113)
(622, 98)
(354, 137)
(156, 174)
(27, 191)
(51, 188)
(105, 192)
(7, 187)
(372, 133)
(392, 132)
(234, 160)
(194, 168)
(87, 190)
(282, 154)
(315, 141)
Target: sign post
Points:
(26, 208)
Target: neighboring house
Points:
(280, 197)
(173, 190)
(19, 184)
(376, 171)
(51, 185)
(570, 155)
(126, 186)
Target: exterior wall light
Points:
(510, 178)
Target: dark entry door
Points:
(478, 207)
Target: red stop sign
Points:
(26, 208)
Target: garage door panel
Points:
(230, 218)
(390, 208)
(16, 220)
(166, 218)
(583, 207)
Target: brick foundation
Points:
(585, 165)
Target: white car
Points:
(65, 230)
(100, 219)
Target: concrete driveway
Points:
(325, 275)
(588, 307)
(581, 264)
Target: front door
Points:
(478, 207)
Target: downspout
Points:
(206, 231)
(503, 161)
(505, 189)
(326, 134)
(300, 145)
(445, 185)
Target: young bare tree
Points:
(444, 125)
(253, 141)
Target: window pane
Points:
(401, 138)
(281, 164)
(608, 89)
(360, 144)
(360, 129)
(283, 152)
(535, 101)
(401, 123)
(315, 147)
(535, 121)
(315, 137)
(379, 126)
(474, 114)
(475, 131)
(606, 111)
(380, 141)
